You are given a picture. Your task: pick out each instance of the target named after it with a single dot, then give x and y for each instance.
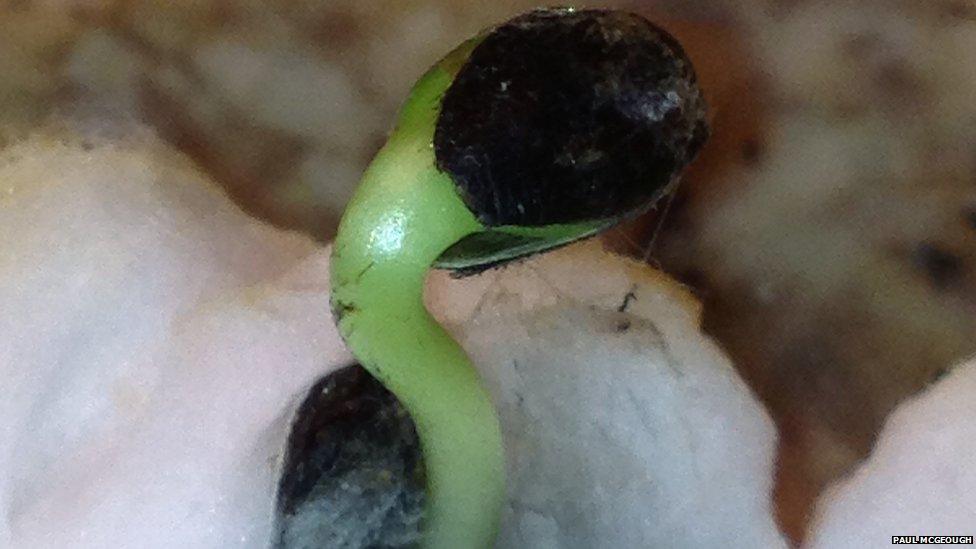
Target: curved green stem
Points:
(403, 216)
(407, 215)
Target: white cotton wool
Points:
(920, 478)
(151, 337)
(155, 342)
(624, 425)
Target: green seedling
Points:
(541, 131)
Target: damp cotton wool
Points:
(156, 341)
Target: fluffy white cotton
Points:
(155, 341)
(151, 336)
(920, 478)
(624, 425)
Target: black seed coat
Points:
(562, 116)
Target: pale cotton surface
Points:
(920, 478)
(624, 425)
(152, 337)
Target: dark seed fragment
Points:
(563, 116)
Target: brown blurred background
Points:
(829, 226)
